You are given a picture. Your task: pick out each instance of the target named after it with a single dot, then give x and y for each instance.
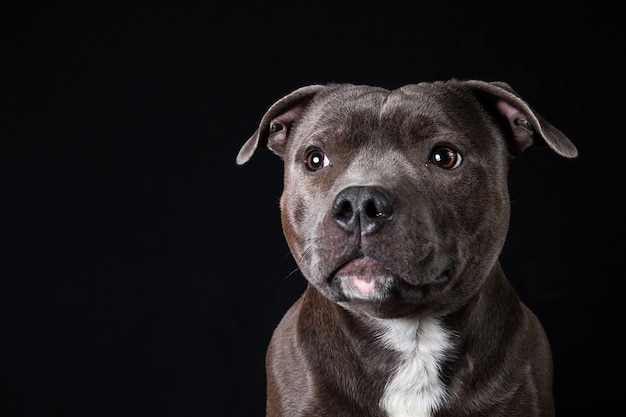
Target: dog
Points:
(395, 207)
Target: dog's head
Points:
(396, 202)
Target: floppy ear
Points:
(526, 126)
(276, 124)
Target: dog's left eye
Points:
(446, 157)
(316, 159)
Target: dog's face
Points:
(396, 203)
(387, 198)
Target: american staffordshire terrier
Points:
(395, 207)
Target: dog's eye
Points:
(316, 159)
(446, 157)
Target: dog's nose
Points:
(361, 208)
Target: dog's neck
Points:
(415, 388)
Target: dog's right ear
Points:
(276, 124)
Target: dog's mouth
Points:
(365, 279)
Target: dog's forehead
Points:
(353, 116)
(374, 100)
(366, 108)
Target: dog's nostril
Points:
(344, 210)
(371, 210)
(377, 206)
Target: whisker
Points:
(290, 274)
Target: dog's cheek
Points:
(292, 210)
(479, 202)
(483, 222)
(298, 211)
(470, 213)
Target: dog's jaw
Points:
(415, 388)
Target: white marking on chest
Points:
(415, 389)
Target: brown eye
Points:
(446, 157)
(316, 159)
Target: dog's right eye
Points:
(316, 159)
(446, 157)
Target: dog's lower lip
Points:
(362, 276)
(367, 270)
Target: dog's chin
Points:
(365, 285)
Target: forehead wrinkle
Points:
(383, 107)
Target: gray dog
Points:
(395, 208)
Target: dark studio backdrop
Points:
(143, 271)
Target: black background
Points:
(143, 271)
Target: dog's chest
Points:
(415, 388)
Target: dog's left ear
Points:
(527, 126)
(276, 124)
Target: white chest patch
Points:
(415, 389)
